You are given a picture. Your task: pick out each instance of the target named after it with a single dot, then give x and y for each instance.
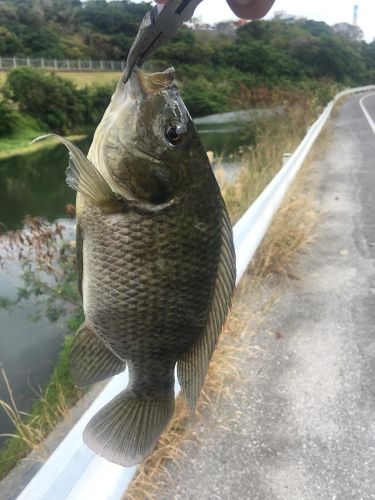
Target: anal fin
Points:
(91, 361)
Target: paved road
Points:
(303, 416)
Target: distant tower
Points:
(355, 15)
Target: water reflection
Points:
(35, 185)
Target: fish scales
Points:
(162, 309)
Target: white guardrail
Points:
(73, 472)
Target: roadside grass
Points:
(294, 225)
(276, 136)
(52, 405)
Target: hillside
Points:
(266, 50)
(262, 60)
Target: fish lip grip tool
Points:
(158, 27)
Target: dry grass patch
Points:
(294, 225)
(260, 163)
(292, 230)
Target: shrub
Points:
(202, 98)
(8, 119)
(53, 100)
(56, 102)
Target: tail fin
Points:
(126, 430)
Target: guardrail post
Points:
(286, 157)
(68, 64)
(14, 62)
(42, 62)
(79, 64)
(1, 62)
(101, 65)
(112, 66)
(55, 63)
(90, 64)
(28, 61)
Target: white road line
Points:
(366, 113)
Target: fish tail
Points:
(126, 430)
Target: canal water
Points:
(35, 185)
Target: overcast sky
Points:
(329, 11)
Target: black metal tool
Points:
(158, 28)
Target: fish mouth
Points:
(152, 83)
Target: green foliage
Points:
(9, 119)
(9, 42)
(211, 67)
(270, 50)
(43, 29)
(56, 102)
(203, 98)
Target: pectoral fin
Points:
(91, 361)
(82, 176)
(192, 367)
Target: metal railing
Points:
(73, 472)
(8, 63)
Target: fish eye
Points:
(175, 132)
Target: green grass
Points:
(82, 79)
(91, 78)
(59, 395)
(19, 142)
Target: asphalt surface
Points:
(300, 423)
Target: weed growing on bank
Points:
(53, 404)
(47, 261)
(275, 136)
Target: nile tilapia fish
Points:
(156, 262)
